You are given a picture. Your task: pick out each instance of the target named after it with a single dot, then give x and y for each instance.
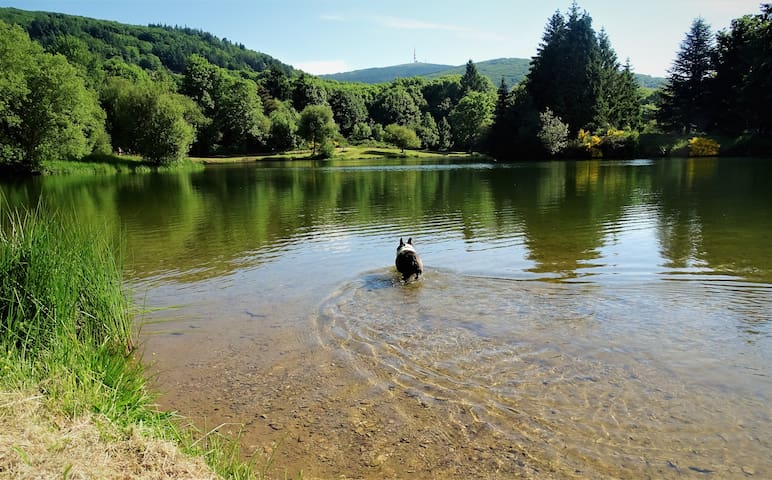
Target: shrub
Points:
(703, 147)
(553, 133)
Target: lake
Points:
(588, 319)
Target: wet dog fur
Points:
(408, 262)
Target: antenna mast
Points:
(414, 58)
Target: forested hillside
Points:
(148, 47)
(511, 70)
(387, 74)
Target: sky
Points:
(330, 36)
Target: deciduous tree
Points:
(46, 111)
(402, 136)
(316, 124)
(470, 117)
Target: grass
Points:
(71, 384)
(357, 152)
(112, 165)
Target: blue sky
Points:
(327, 36)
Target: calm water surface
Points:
(600, 318)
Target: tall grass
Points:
(66, 331)
(64, 317)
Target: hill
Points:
(149, 47)
(512, 70)
(387, 74)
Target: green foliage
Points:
(307, 91)
(362, 132)
(236, 122)
(743, 83)
(428, 132)
(148, 122)
(686, 103)
(281, 135)
(472, 115)
(395, 104)
(348, 109)
(316, 124)
(46, 111)
(472, 81)
(553, 133)
(145, 46)
(402, 136)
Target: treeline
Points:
(577, 100)
(72, 87)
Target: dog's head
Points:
(406, 246)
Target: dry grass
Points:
(36, 442)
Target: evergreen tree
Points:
(472, 81)
(564, 73)
(743, 86)
(445, 135)
(686, 97)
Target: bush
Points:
(326, 149)
(553, 133)
(402, 137)
(619, 143)
(703, 147)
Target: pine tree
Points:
(472, 81)
(564, 75)
(686, 97)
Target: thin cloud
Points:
(412, 24)
(332, 18)
(462, 32)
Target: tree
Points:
(239, 115)
(427, 131)
(470, 117)
(401, 136)
(232, 105)
(281, 135)
(147, 121)
(46, 111)
(316, 124)
(396, 105)
(564, 73)
(307, 91)
(686, 98)
(472, 81)
(444, 135)
(348, 109)
(553, 133)
(743, 84)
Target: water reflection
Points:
(557, 218)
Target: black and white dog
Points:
(408, 262)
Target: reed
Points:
(67, 336)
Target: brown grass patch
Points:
(36, 442)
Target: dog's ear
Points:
(410, 241)
(401, 243)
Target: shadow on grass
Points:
(384, 153)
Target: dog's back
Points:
(408, 262)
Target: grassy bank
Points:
(112, 165)
(73, 396)
(341, 153)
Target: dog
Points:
(408, 262)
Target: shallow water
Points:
(581, 319)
